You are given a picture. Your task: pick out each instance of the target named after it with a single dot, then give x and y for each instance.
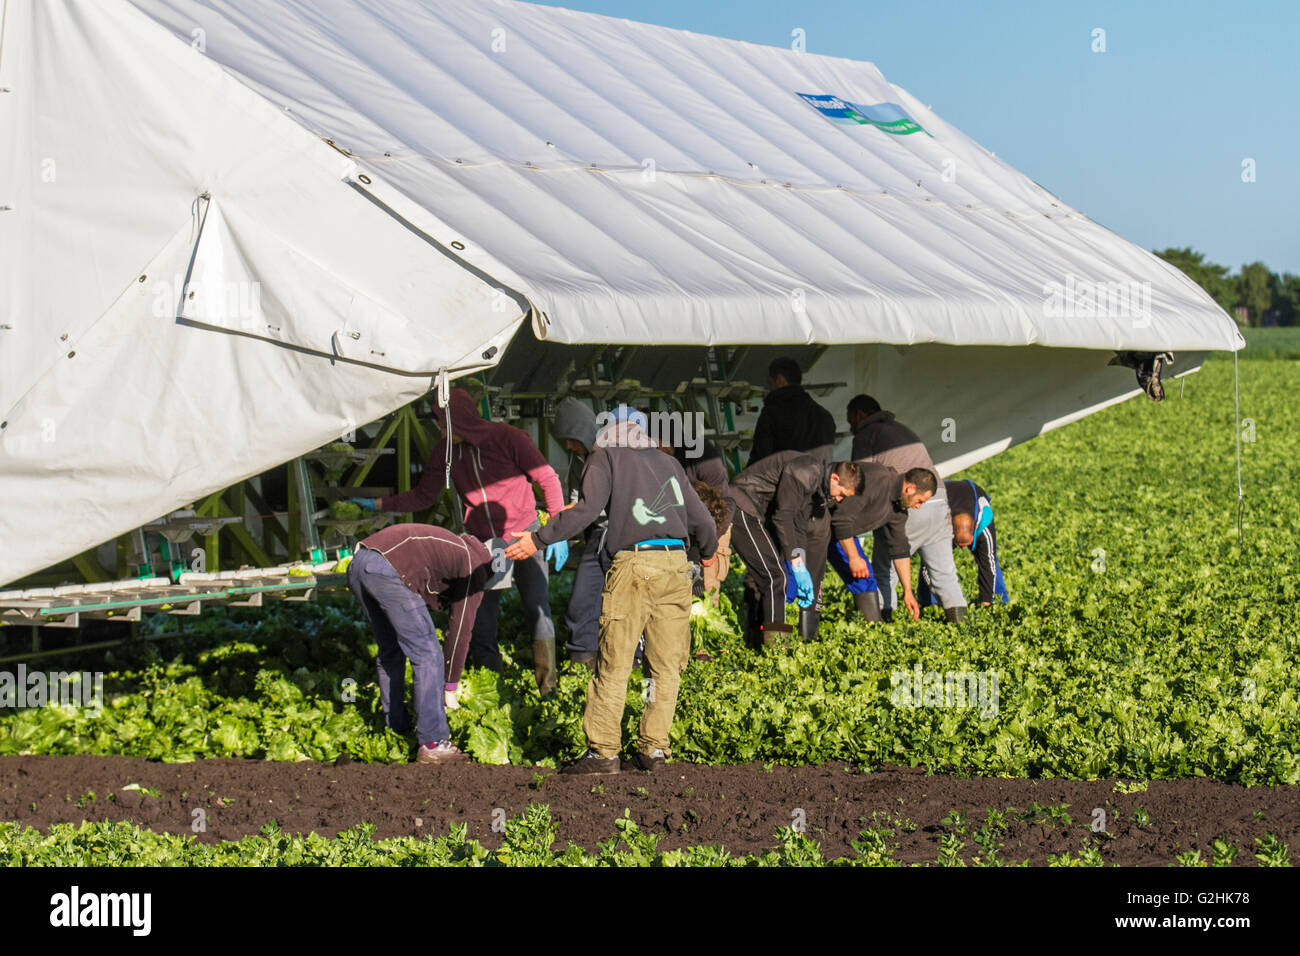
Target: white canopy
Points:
(234, 229)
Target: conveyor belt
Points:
(128, 600)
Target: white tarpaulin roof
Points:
(361, 193)
(647, 184)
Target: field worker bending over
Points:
(887, 500)
(493, 467)
(708, 468)
(397, 575)
(575, 425)
(878, 437)
(651, 508)
(776, 500)
(972, 528)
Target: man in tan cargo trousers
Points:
(652, 508)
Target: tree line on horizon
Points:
(1267, 297)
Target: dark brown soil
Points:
(737, 807)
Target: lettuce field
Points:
(1144, 642)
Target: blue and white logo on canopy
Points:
(889, 117)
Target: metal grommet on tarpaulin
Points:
(457, 245)
(362, 177)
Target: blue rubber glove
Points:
(366, 504)
(803, 584)
(559, 551)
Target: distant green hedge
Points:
(1271, 344)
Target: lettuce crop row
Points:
(530, 840)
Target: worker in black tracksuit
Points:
(775, 499)
(790, 419)
(819, 541)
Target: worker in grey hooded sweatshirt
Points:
(575, 425)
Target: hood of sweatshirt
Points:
(575, 419)
(466, 422)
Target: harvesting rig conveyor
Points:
(128, 600)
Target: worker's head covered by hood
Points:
(466, 422)
(575, 419)
(624, 427)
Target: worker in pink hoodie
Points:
(493, 467)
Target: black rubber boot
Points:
(887, 614)
(773, 633)
(753, 621)
(809, 618)
(955, 615)
(868, 605)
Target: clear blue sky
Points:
(1147, 138)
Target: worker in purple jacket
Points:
(398, 575)
(493, 468)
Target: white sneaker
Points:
(449, 700)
